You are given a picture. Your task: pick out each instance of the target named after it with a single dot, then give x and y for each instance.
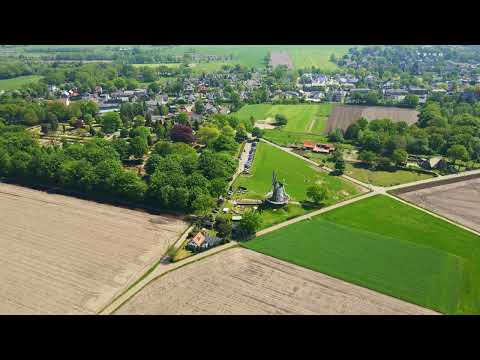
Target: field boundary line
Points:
(432, 213)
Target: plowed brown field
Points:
(240, 281)
(458, 201)
(62, 255)
(344, 115)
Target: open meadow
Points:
(359, 171)
(390, 247)
(240, 281)
(63, 255)
(18, 82)
(297, 175)
(311, 118)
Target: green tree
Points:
(208, 134)
(399, 157)
(340, 166)
(368, 157)
(248, 225)
(138, 147)
(457, 152)
(223, 225)
(203, 204)
(316, 193)
(410, 101)
(257, 132)
(111, 122)
(281, 120)
(199, 107)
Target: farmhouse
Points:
(201, 242)
(318, 148)
(436, 162)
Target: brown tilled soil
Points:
(281, 58)
(458, 201)
(62, 255)
(344, 115)
(240, 281)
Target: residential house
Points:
(395, 94)
(201, 242)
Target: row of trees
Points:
(177, 177)
(30, 113)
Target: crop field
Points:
(342, 116)
(278, 58)
(458, 201)
(301, 118)
(296, 174)
(240, 281)
(17, 82)
(316, 56)
(302, 56)
(62, 255)
(210, 66)
(389, 247)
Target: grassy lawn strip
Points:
(18, 82)
(285, 138)
(390, 247)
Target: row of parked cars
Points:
(251, 156)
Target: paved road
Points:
(241, 163)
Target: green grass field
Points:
(301, 118)
(374, 177)
(253, 55)
(296, 174)
(385, 245)
(206, 67)
(17, 82)
(316, 56)
(286, 138)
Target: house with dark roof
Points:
(201, 242)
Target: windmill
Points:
(277, 196)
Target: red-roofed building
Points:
(308, 145)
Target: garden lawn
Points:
(388, 246)
(296, 174)
(18, 82)
(311, 118)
